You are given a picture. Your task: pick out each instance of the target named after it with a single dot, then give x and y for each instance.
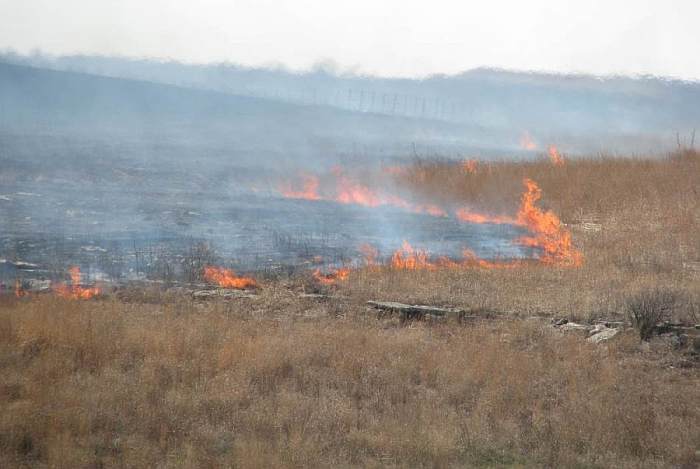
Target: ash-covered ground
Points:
(130, 223)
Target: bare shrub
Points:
(646, 309)
(199, 255)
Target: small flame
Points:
(527, 143)
(308, 190)
(333, 276)
(470, 166)
(227, 278)
(555, 156)
(75, 291)
(547, 232)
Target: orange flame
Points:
(547, 231)
(75, 291)
(226, 278)
(308, 191)
(333, 276)
(407, 258)
(470, 166)
(526, 142)
(555, 156)
(466, 215)
(350, 192)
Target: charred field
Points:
(284, 364)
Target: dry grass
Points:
(146, 379)
(637, 222)
(285, 382)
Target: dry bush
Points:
(648, 308)
(287, 382)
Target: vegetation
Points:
(148, 377)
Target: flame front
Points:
(408, 258)
(547, 232)
(307, 191)
(75, 291)
(333, 276)
(466, 215)
(348, 191)
(227, 278)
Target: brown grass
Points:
(285, 382)
(146, 379)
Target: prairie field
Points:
(307, 375)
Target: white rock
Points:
(603, 334)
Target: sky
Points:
(386, 38)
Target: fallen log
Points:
(225, 293)
(416, 311)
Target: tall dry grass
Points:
(286, 382)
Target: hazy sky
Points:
(390, 37)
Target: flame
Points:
(351, 192)
(547, 232)
(369, 253)
(333, 276)
(466, 215)
(408, 258)
(555, 156)
(227, 278)
(429, 209)
(470, 166)
(308, 190)
(348, 191)
(19, 291)
(75, 291)
(526, 142)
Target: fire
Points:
(370, 254)
(555, 156)
(526, 142)
(19, 291)
(408, 258)
(469, 166)
(547, 232)
(348, 191)
(429, 209)
(333, 276)
(75, 291)
(351, 192)
(308, 190)
(227, 278)
(466, 215)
